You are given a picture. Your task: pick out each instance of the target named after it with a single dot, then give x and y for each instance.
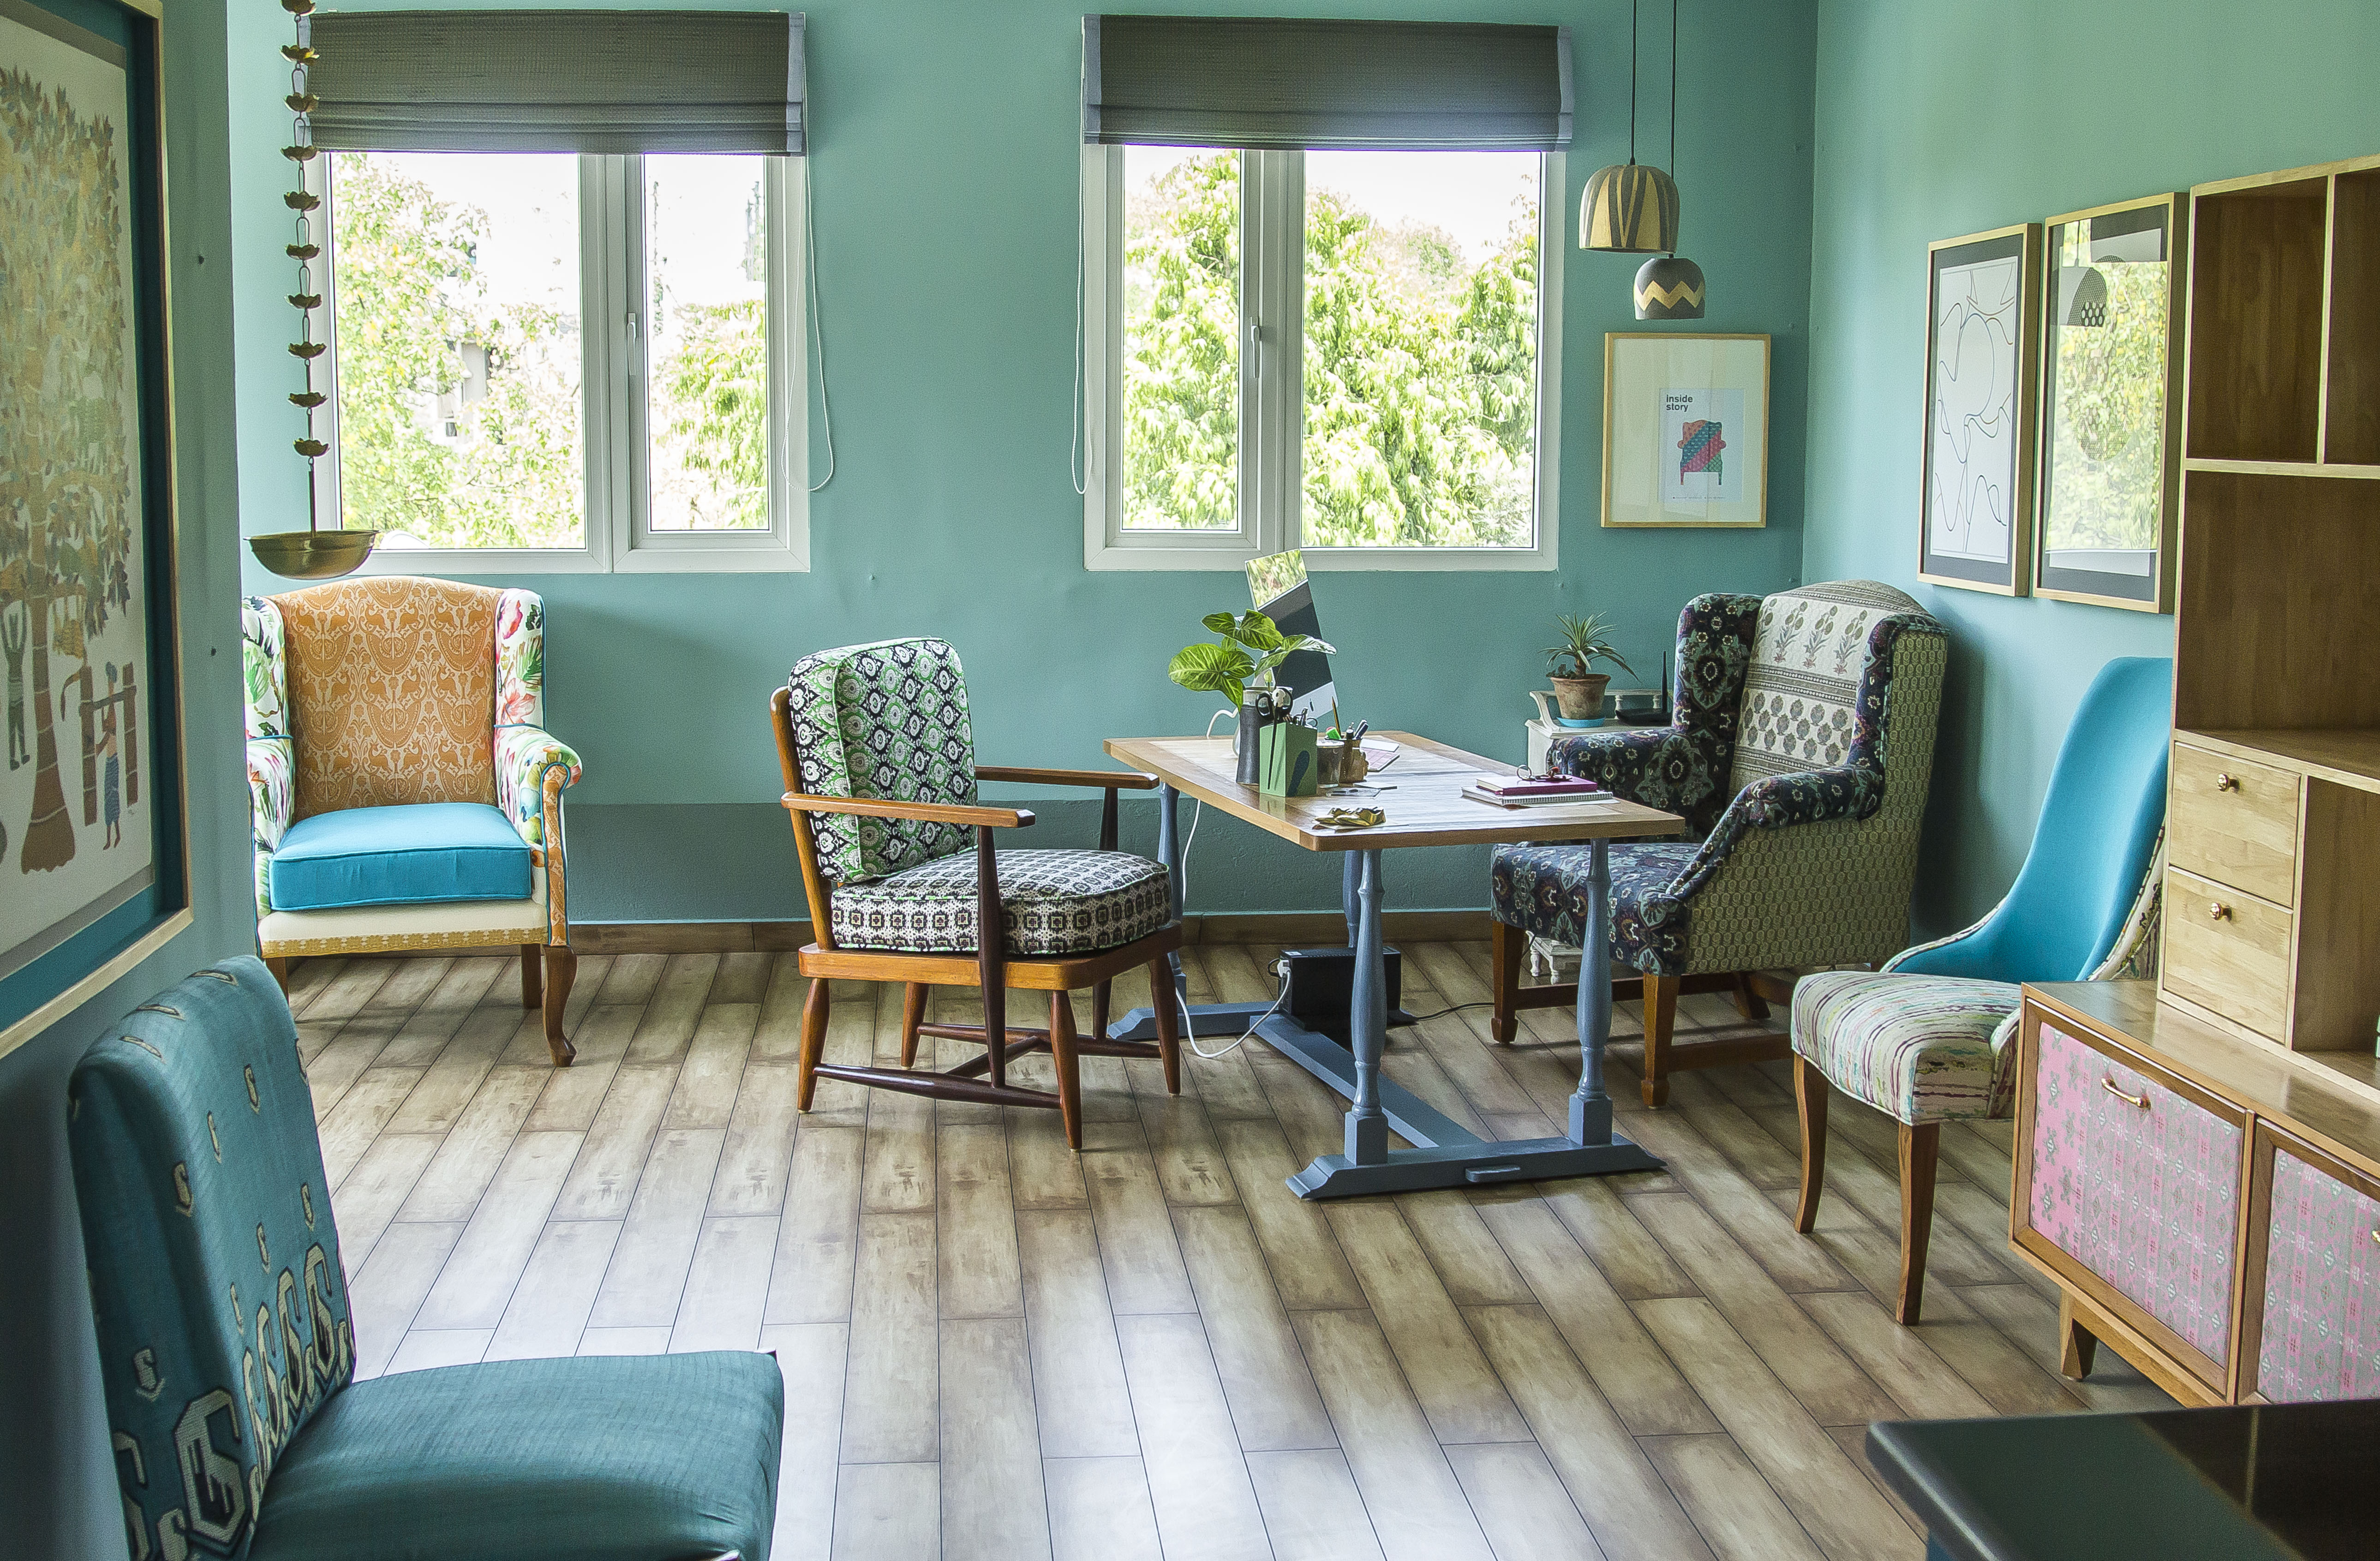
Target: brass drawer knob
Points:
(2227, 783)
(2142, 1100)
(2218, 911)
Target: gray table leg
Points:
(1169, 856)
(1590, 1108)
(1368, 1018)
(1350, 881)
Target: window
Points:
(557, 361)
(1342, 351)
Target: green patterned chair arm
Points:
(272, 791)
(532, 763)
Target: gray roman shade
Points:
(1279, 84)
(585, 81)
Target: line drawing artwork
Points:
(1969, 502)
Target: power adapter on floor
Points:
(1322, 982)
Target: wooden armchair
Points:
(880, 779)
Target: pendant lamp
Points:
(313, 553)
(1670, 287)
(1629, 208)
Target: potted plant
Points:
(1578, 687)
(1250, 648)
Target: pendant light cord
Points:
(1673, 103)
(1633, 28)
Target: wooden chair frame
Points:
(1753, 991)
(982, 1079)
(1921, 1147)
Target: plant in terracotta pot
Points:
(1578, 687)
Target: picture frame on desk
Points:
(1685, 430)
(1982, 383)
(93, 866)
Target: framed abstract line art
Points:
(92, 875)
(2111, 404)
(1686, 429)
(1981, 362)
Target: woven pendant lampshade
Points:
(1629, 208)
(1670, 287)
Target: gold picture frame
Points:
(1686, 429)
(1982, 388)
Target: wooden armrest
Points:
(930, 812)
(1111, 780)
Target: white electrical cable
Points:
(818, 341)
(1074, 458)
(1182, 867)
(1190, 1034)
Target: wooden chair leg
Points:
(1102, 999)
(1660, 1017)
(1748, 1002)
(280, 969)
(1169, 1021)
(1068, 1066)
(532, 976)
(1810, 1089)
(1505, 946)
(913, 1013)
(2078, 1347)
(560, 970)
(813, 1042)
(1919, 1143)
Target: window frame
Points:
(614, 407)
(1272, 336)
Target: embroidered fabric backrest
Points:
(217, 1283)
(520, 659)
(1823, 662)
(391, 692)
(887, 721)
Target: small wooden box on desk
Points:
(2208, 1204)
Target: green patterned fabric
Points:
(216, 1285)
(634, 1457)
(887, 721)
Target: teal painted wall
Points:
(1957, 116)
(57, 1478)
(945, 144)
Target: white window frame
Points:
(619, 537)
(1272, 338)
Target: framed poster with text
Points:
(1686, 429)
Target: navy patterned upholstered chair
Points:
(228, 1346)
(897, 861)
(1801, 749)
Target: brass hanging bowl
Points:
(314, 555)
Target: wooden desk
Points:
(1420, 790)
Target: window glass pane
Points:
(1181, 339)
(1421, 348)
(707, 347)
(458, 348)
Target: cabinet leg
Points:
(2078, 1347)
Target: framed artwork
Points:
(2114, 281)
(92, 875)
(1982, 349)
(1686, 429)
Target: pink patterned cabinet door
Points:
(2321, 1336)
(2138, 1184)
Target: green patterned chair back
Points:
(1816, 694)
(215, 1279)
(887, 721)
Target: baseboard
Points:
(1290, 928)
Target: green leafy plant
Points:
(1249, 647)
(1584, 641)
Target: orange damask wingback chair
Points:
(404, 791)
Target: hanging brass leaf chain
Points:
(301, 152)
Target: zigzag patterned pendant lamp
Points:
(1629, 208)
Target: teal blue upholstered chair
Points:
(1927, 1038)
(228, 1352)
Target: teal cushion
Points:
(415, 854)
(621, 1458)
(215, 1279)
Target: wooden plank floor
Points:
(996, 1347)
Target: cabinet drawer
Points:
(2315, 1309)
(2135, 1184)
(2235, 822)
(2228, 951)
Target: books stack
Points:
(1532, 791)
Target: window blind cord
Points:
(1075, 467)
(818, 340)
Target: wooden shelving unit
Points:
(2272, 899)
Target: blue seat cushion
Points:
(617, 1457)
(414, 854)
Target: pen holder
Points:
(1342, 764)
(1287, 765)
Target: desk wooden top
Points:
(1421, 795)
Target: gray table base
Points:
(1445, 1154)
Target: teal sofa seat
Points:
(227, 1348)
(412, 854)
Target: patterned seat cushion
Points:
(1542, 888)
(1054, 902)
(1926, 1048)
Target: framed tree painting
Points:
(1981, 357)
(2111, 404)
(91, 870)
(1686, 429)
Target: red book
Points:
(1516, 787)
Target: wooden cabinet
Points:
(2208, 1206)
(2235, 821)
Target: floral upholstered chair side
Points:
(1800, 752)
(1928, 1038)
(404, 792)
